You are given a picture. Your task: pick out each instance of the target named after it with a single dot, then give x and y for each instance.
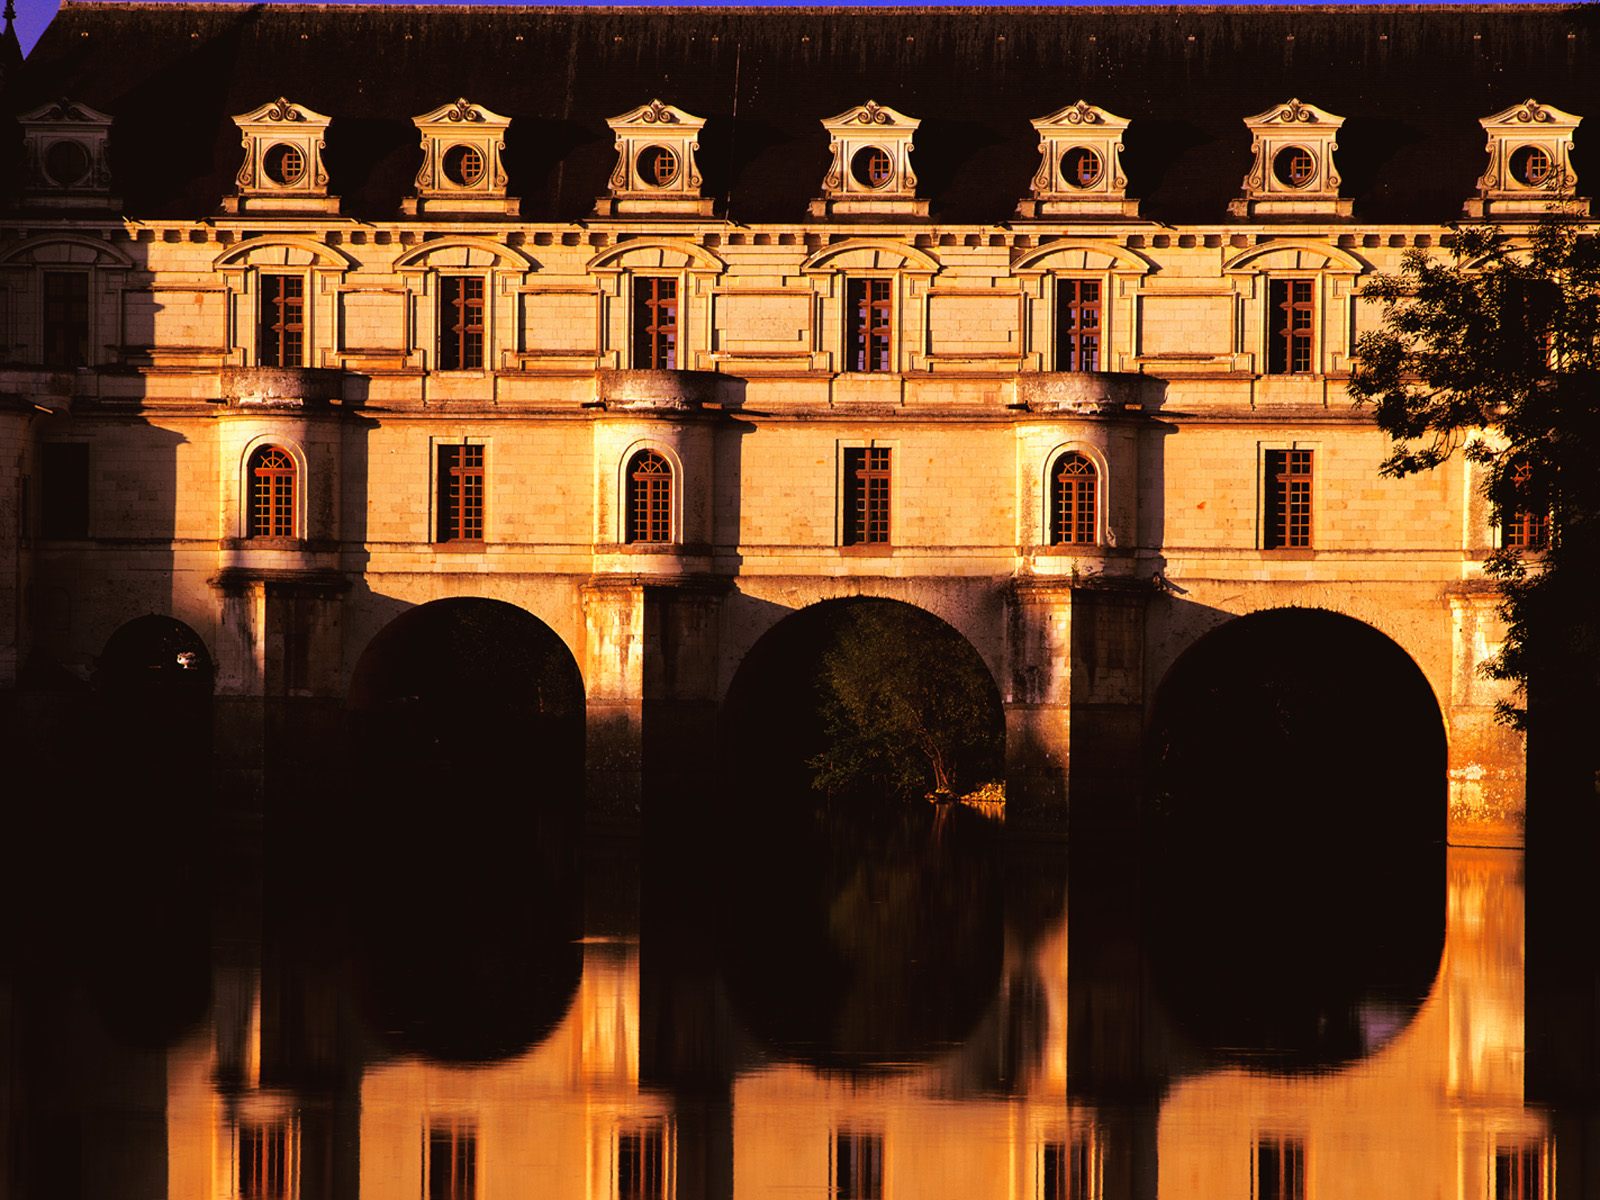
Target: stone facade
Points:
(859, 324)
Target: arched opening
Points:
(649, 503)
(272, 493)
(859, 924)
(153, 683)
(1296, 763)
(1074, 491)
(466, 718)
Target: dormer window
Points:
(65, 144)
(1292, 173)
(871, 171)
(282, 169)
(1080, 169)
(1529, 165)
(461, 172)
(656, 171)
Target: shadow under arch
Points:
(1296, 764)
(152, 695)
(855, 932)
(466, 720)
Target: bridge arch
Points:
(472, 680)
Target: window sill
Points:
(868, 550)
(1290, 552)
(1069, 549)
(461, 546)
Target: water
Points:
(904, 1009)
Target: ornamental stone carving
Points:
(65, 163)
(1530, 167)
(656, 171)
(1292, 173)
(1080, 172)
(870, 174)
(461, 171)
(282, 169)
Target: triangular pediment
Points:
(65, 111)
(1081, 115)
(1295, 113)
(462, 112)
(657, 114)
(871, 114)
(282, 110)
(1530, 113)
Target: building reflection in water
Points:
(1435, 1110)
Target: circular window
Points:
(283, 164)
(463, 165)
(658, 166)
(66, 163)
(1294, 166)
(1080, 167)
(872, 166)
(1531, 166)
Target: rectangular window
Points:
(264, 1161)
(1519, 1171)
(655, 324)
(857, 1166)
(866, 496)
(280, 336)
(460, 494)
(1286, 523)
(870, 321)
(452, 1162)
(460, 323)
(1067, 1170)
(1077, 325)
(64, 494)
(66, 319)
(642, 1163)
(1289, 340)
(1280, 1169)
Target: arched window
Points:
(649, 498)
(1072, 509)
(272, 483)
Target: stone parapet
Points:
(281, 387)
(1088, 392)
(672, 391)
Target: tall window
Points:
(272, 480)
(1072, 510)
(1286, 524)
(1280, 1169)
(460, 494)
(649, 498)
(870, 320)
(655, 323)
(460, 322)
(1289, 336)
(1519, 1171)
(866, 496)
(64, 494)
(66, 318)
(1067, 1170)
(1077, 325)
(857, 1165)
(642, 1163)
(1524, 529)
(264, 1161)
(281, 335)
(452, 1162)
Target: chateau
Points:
(661, 325)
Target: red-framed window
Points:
(1066, 1170)
(866, 496)
(461, 322)
(870, 315)
(1519, 1171)
(857, 1165)
(649, 503)
(272, 487)
(264, 1161)
(655, 323)
(281, 330)
(1290, 341)
(452, 1162)
(1524, 529)
(1287, 521)
(642, 1163)
(461, 494)
(1078, 325)
(1280, 1169)
(66, 319)
(1074, 484)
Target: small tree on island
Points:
(1494, 352)
(907, 705)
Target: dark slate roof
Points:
(1412, 81)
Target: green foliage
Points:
(907, 706)
(1494, 352)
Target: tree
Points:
(1494, 352)
(907, 707)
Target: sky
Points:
(34, 15)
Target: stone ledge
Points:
(680, 391)
(1084, 391)
(281, 387)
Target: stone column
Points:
(1035, 692)
(613, 672)
(1487, 759)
